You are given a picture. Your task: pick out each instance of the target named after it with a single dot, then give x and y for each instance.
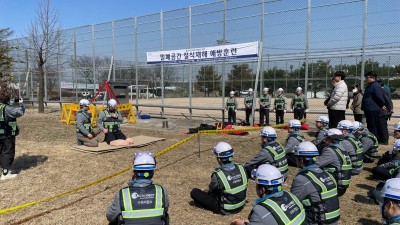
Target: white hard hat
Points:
(323, 119)
(306, 148)
(112, 103)
(357, 126)
(232, 93)
(268, 175)
(299, 89)
(396, 146)
(268, 132)
(335, 134)
(84, 102)
(265, 89)
(144, 161)
(345, 125)
(391, 189)
(280, 89)
(223, 149)
(294, 124)
(250, 89)
(396, 126)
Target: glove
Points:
(284, 111)
(225, 110)
(235, 110)
(274, 110)
(291, 110)
(306, 110)
(21, 100)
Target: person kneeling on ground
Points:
(271, 152)
(274, 206)
(335, 160)
(110, 123)
(142, 202)
(388, 155)
(228, 187)
(368, 141)
(390, 169)
(84, 131)
(316, 188)
(293, 139)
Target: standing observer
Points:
(9, 112)
(356, 104)
(373, 102)
(337, 101)
(384, 116)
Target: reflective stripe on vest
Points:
(299, 101)
(248, 100)
(111, 124)
(357, 158)
(233, 191)
(299, 219)
(230, 103)
(280, 160)
(372, 152)
(344, 172)
(328, 203)
(87, 124)
(280, 102)
(265, 98)
(131, 213)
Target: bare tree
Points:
(6, 61)
(84, 66)
(45, 35)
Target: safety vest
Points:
(343, 173)
(321, 145)
(248, 100)
(265, 100)
(234, 182)
(286, 209)
(86, 123)
(111, 123)
(143, 205)
(357, 158)
(299, 101)
(280, 102)
(230, 103)
(8, 125)
(393, 221)
(372, 152)
(279, 155)
(327, 210)
(396, 169)
(298, 137)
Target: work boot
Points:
(9, 175)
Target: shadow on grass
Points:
(25, 162)
(366, 187)
(365, 221)
(364, 199)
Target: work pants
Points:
(231, 116)
(248, 114)
(205, 200)
(7, 151)
(298, 113)
(358, 117)
(381, 173)
(279, 116)
(89, 142)
(264, 117)
(382, 130)
(335, 116)
(372, 121)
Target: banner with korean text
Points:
(214, 53)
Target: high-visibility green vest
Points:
(343, 173)
(357, 158)
(327, 210)
(234, 183)
(299, 101)
(279, 155)
(8, 125)
(280, 102)
(143, 205)
(87, 124)
(230, 103)
(110, 123)
(286, 209)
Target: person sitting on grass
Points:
(110, 123)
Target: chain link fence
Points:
(304, 43)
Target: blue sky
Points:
(17, 14)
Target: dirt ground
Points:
(47, 167)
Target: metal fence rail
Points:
(304, 42)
